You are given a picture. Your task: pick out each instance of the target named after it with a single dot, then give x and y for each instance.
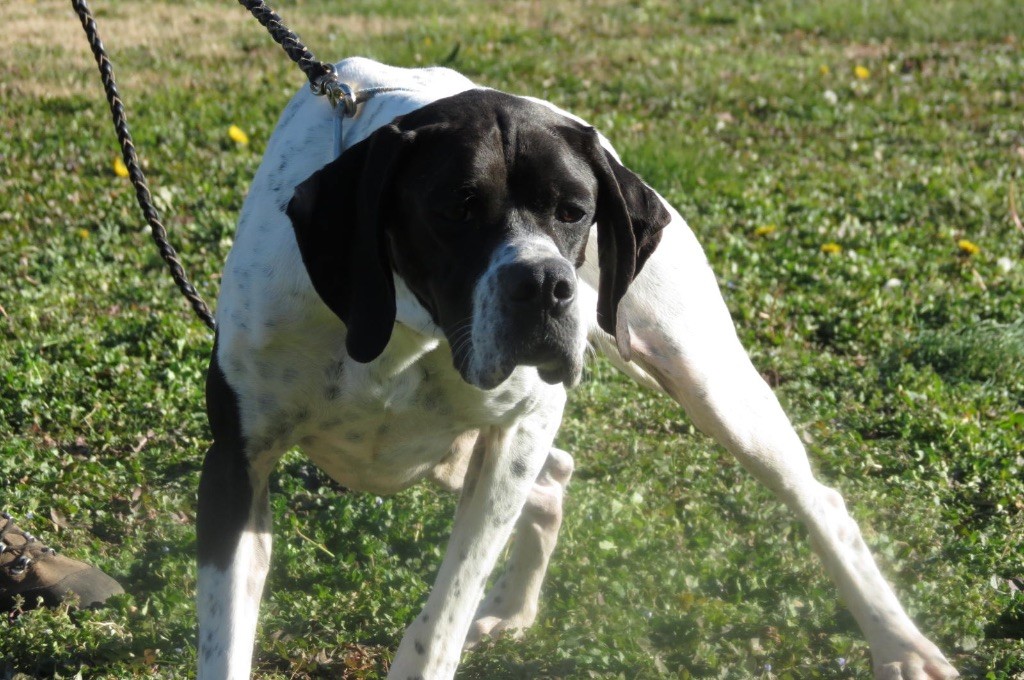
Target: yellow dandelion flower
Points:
(120, 169)
(824, 69)
(831, 248)
(83, 233)
(238, 135)
(861, 72)
(765, 230)
(968, 247)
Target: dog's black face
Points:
(482, 203)
(493, 207)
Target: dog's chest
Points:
(383, 426)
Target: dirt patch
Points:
(869, 51)
(45, 53)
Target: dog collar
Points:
(346, 103)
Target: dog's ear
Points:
(339, 216)
(630, 217)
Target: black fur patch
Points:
(225, 493)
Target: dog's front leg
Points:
(233, 534)
(683, 341)
(511, 605)
(498, 481)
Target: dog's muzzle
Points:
(525, 314)
(538, 298)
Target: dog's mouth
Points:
(488, 364)
(567, 371)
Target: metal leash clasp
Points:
(337, 92)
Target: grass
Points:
(899, 357)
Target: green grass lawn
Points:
(855, 171)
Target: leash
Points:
(323, 77)
(131, 161)
(323, 81)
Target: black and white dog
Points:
(415, 309)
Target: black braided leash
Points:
(323, 80)
(131, 161)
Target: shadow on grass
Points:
(985, 352)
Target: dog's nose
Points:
(547, 286)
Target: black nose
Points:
(546, 286)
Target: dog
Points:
(415, 309)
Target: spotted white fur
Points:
(385, 425)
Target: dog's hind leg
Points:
(233, 533)
(511, 604)
(683, 340)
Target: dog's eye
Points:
(462, 210)
(569, 213)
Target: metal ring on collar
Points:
(337, 92)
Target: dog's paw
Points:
(917, 660)
(507, 610)
(493, 624)
(486, 626)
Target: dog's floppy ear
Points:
(339, 216)
(630, 217)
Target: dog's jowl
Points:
(415, 309)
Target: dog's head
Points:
(482, 203)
